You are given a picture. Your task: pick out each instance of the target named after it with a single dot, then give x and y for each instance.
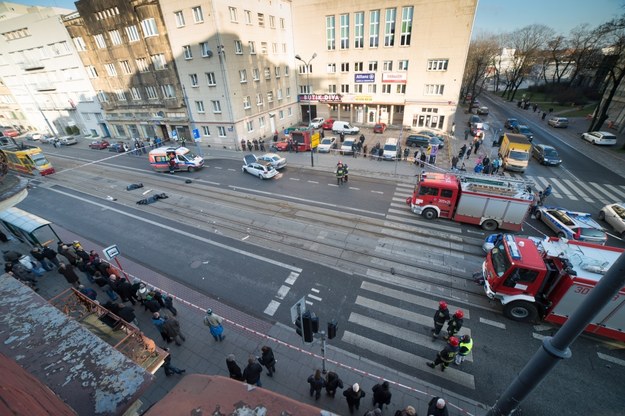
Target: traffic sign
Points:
(297, 308)
(314, 140)
(111, 252)
(196, 133)
(174, 133)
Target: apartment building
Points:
(11, 114)
(400, 63)
(43, 73)
(235, 61)
(125, 50)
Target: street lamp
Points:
(299, 58)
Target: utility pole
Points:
(312, 162)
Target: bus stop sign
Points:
(111, 252)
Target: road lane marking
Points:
(292, 278)
(538, 336)
(566, 192)
(272, 308)
(317, 298)
(314, 290)
(377, 192)
(616, 190)
(579, 191)
(294, 179)
(601, 189)
(611, 359)
(282, 292)
(315, 182)
(492, 323)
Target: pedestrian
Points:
(252, 372)
(169, 304)
(417, 156)
(380, 154)
(546, 193)
(213, 321)
(233, 368)
(268, 360)
(323, 135)
(316, 384)
(364, 151)
(466, 134)
(440, 317)
(455, 323)
(422, 159)
(381, 395)
(353, 394)
(88, 292)
(495, 165)
(361, 139)
(476, 144)
(172, 163)
(171, 328)
(333, 382)
(50, 254)
(342, 137)
(127, 313)
(169, 367)
(446, 355)
(354, 149)
(464, 348)
(407, 411)
(374, 412)
(543, 116)
(406, 153)
(158, 322)
(68, 271)
(469, 150)
(454, 162)
(39, 256)
(68, 252)
(150, 303)
(103, 283)
(437, 407)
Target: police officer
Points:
(455, 323)
(464, 348)
(440, 317)
(446, 355)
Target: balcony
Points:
(45, 86)
(31, 65)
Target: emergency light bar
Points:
(514, 250)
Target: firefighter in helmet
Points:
(446, 355)
(440, 317)
(455, 323)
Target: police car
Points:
(572, 225)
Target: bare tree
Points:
(584, 52)
(556, 60)
(480, 59)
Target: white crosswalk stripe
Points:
(565, 192)
(616, 191)
(577, 190)
(603, 190)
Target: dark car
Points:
(483, 111)
(524, 130)
(417, 140)
(379, 128)
(546, 155)
(117, 147)
(435, 139)
(99, 144)
(510, 123)
(474, 119)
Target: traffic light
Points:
(332, 327)
(315, 323)
(305, 320)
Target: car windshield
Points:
(519, 155)
(39, 159)
(619, 210)
(390, 147)
(592, 232)
(500, 260)
(274, 157)
(348, 143)
(524, 130)
(326, 141)
(190, 155)
(551, 152)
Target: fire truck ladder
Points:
(494, 180)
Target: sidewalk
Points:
(246, 334)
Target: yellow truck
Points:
(515, 150)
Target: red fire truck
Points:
(485, 200)
(547, 279)
(301, 139)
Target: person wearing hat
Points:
(353, 394)
(464, 349)
(455, 323)
(446, 355)
(213, 321)
(437, 407)
(440, 317)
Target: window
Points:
(206, 131)
(247, 103)
(331, 68)
(149, 27)
(79, 43)
(276, 71)
(286, 71)
(344, 31)
(389, 27)
(403, 65)
(132, 33)
(261, 122)
(252, 47)
(179, 18)
(142, 64)
(373, 65)
(134, 92)
(126, 68)
(261, 20)
(281, 114)
(255, 74)
(120, 130)
(243, 75)
(359, 30)
(305, 89)
(198, 15)
(238, 47)
(434, 89)
(199, 106)
(406, 26)
(187, 52)
(168, 91)
(205, 49)
(115, 37)
(121, 95)
(372, 88)
(374, 28)
(272, 22)
(267, 72)
(288, 92)
(159, 61)
(216, 106)
(194, 80)
(263, 48)
(102, 96)
(387, 65)
(259, 100)
(250, 126)
(151, 93)
(438, 64)
(401, 88)
(210, 79)
(344, 66)
(221, 130)
(345, 88)
(330, 33)
(270, 97)
(332, 88)
(274, 48)
(289, 111)
(357, 88)
(248, 17)
(91, 71)
(233, 14)
(282, 25)
(110, 69)
(358, 66)
(279, 94)
(99, 41)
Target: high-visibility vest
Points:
(465, 347)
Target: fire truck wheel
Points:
(490, 225)
(429, 214)
(521, 311)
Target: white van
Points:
(392, 150)
(344, 127)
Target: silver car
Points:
(614, 214)
(277, 161)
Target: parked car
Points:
(10, 132)
(572, 225)
(260, 168)
(99, 144)
(327, 124)
(435, 139)
(277, 161)
(510, 123)
(614, 214)
(546, 155)
(68, 140)
(327, 144)
(379, 128)
(418, 140)
(483, 111)
(561, 122)
(344, 127)
(34, 136)
(117, 147)
(600, 137)
(524, 130)
(474, 119)
(317, 122)
(475, 104)
(346, 146)
(280, 146)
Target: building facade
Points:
(125, 50)
(393, 62)
(235, 61)
(43, 72)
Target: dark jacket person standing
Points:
(381, 395)
(353, 395)
(440, 317)
(252, 372)
(268, 360)
(233, 368)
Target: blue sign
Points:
(364, 78)
(174, 133)
(196, 133)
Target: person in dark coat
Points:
(88, 292)
(252, 372)
(124, 290)
(169, 304)
(158, 322)
(437, 407)
(50, 255)
(151, 304)
(233, 368)
(440, 317)
(171, 328)
(169, 367)
(268, 360)
(68, 252)
(446, 355)
(316, 384)
(39, 256)
(353, 394)
(127, 313)
(333, 382)
(68, 271)
(381, 395)
(455, 323)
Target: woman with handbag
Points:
(268, 360)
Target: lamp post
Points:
(299, 58)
